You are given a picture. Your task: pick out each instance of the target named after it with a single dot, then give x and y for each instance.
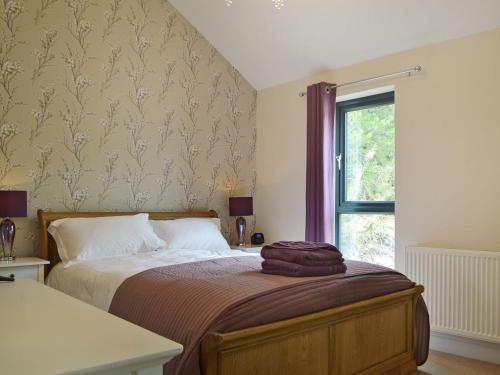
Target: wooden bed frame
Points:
(373, 336)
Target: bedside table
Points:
(24, 268)
(248, 248)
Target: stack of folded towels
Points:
(300, 259)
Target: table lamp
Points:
(241, 206)
(12, 204)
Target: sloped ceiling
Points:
(270, 46)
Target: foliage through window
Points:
(365, 192)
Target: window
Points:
(365, 191)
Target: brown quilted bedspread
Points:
(183, 302)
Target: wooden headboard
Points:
(48, 248)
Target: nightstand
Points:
(24, 268)
(248, 248)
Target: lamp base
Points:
(241, 225)
(7, 235)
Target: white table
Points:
(43, 331)
(24, 268)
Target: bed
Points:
(376, 335)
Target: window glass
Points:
(369, 154)
(368, 237)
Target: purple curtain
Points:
(320, 193)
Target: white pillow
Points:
(80, 239)
(191, 234)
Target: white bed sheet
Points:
(96, 281)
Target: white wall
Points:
(447, 146)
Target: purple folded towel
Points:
(305, 258)
(303, 253)
(278, 267)
(302, 246)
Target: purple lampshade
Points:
(13, 203)
(241, 206)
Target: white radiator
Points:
(462, 290)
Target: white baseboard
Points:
(465, 347)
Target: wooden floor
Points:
(447, 364)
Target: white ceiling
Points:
(270, 46)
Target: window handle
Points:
(339, 161)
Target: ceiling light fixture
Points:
(278, 4)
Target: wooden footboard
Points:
(375, 336)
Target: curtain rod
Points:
(407, 72)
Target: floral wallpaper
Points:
(119, 105)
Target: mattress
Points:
(96, 281)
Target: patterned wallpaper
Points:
(119, 105)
